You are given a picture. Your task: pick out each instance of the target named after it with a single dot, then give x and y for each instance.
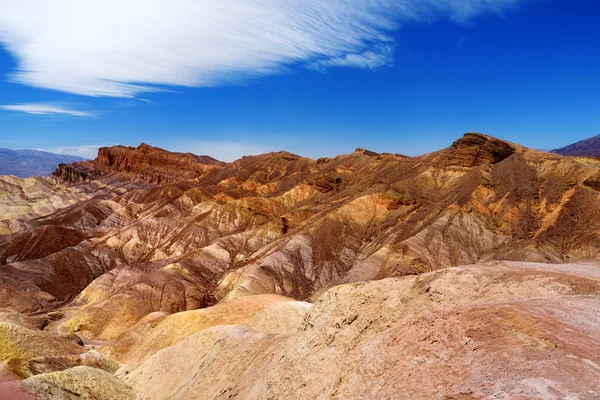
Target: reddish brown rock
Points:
(145, 162)
(37, 243)
(475, 149)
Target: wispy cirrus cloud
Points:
(370, 59)
(46, 109)
(123, 48)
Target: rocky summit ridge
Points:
(470, 272)
(145, 162)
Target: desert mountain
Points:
(587, 147)
(193, 278)
(144, 162)
(26, 163)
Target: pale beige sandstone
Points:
(26, 350)
(30, 322)
(19, 346)
(76, 383)
(35, 196)
(268, 313)
(510, 329)
(118, 299)
(22, 199)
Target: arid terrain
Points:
(472, 272)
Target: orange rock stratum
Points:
(469, 273)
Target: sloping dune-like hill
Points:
(469, 272)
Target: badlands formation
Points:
(467, 273)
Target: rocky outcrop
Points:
(476, 149)
(78, 172)
(326, 182)
(153, 164)
(145, 162)
(360, 150)
(27, 350)
(76, 383)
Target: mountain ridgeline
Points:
(25, 163)
(588, 147)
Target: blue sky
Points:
(317, 79)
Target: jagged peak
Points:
(474, 138)
(281, 154)
(145, 162)
(145, 147)
(360, 150)
(476, 148)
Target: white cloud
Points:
(122, 48)
(366, 60)
(45, 109)
(89, 151)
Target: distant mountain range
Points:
(25, 163)
(587, 147)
